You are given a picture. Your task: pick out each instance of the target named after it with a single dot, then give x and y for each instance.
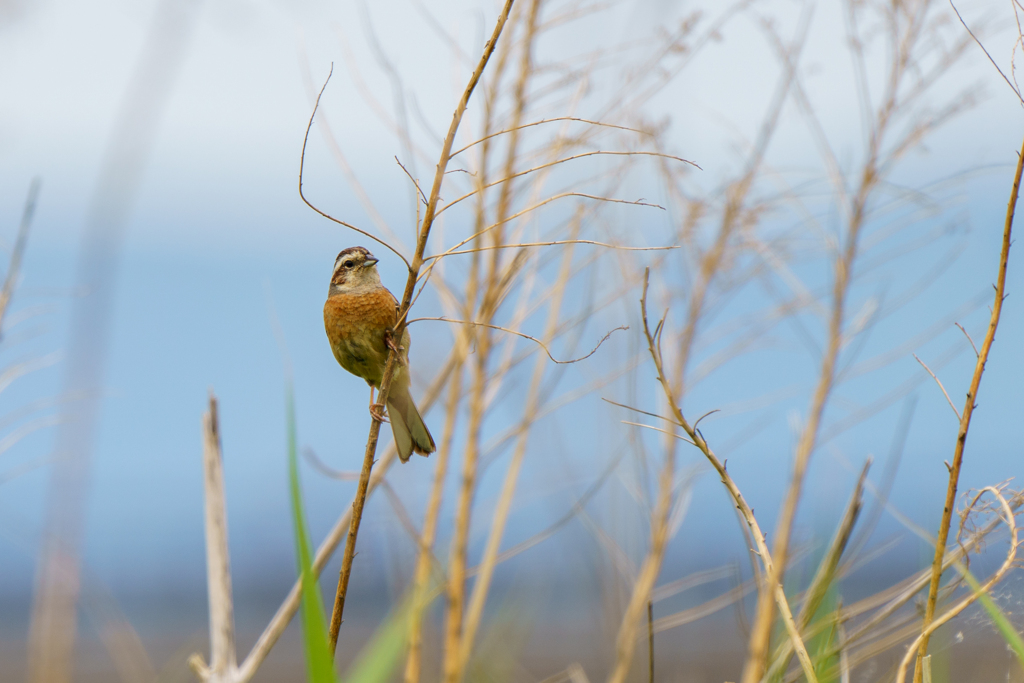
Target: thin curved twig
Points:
(939, 382)
(555, 243)
(302, 167)
(968, 28)
(14, 268)
(644, 412)
(526, 336)
(581, 155)
(415, 183)
(973, 346)
(537, 123)
(658, 429)
(435, 259)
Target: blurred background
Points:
(170, 255)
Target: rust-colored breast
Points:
(347, 314)
(355, 325)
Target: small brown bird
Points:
(359, 315)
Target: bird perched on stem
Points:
(360, 316)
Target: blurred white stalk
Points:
(53, 622)
(223, 667)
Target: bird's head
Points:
(354, 269)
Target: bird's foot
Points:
(377, 412)
(389, 340)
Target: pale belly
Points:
(362, 355)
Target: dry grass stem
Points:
(973, 346)
(474, 612)
(543, 121)
(645, 582)
(939, 382)
(554, 243)
(933, 624)
(358, 504)
(423, 233)
(20, 242)
(453, 667)
(498, 224)
(526, 336)
(688, 616)
(1014, 88)
(576, 510)
(223, 667)
(965, 422)
(582, 155)
(421, 577)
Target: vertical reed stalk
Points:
(453, 651)
(482, 585)
(872, 173)
(218, 566)
(965, 423)
(625, 643)
(403, 311)
(697, 439)
(421, 577)
(223, 667)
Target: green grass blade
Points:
(378, 658)
(1006, 629)
(319, 663)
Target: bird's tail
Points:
(411, 435)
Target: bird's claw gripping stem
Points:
(389, 340)
(377, 412)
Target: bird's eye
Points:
(349, 264)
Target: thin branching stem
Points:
(543, 121)
(965, 421)
(625, 651)
(453, 665)
(582, 155)
(14, 266)
(421, 577)
(474, 612)
(403, 310)
(939, 382)
(526, 336)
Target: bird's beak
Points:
(370, 261)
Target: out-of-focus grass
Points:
(377, 661)
(319, 662)
(1002, 623)
(824, 646)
